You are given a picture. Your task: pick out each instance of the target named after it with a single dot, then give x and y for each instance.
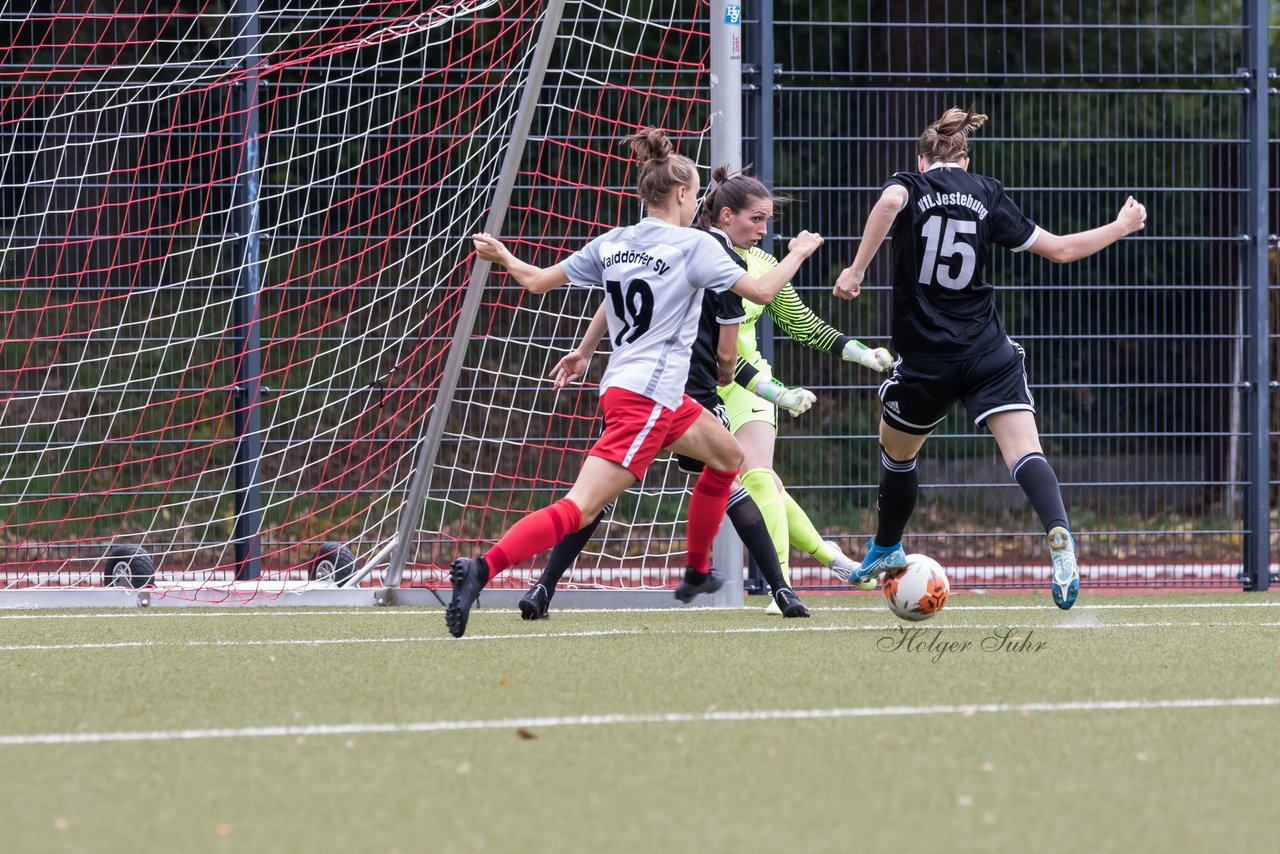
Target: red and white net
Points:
(138, 168)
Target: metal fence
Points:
(1147, 362)
(1153, 364)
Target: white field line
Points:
(368, 611)
(602, 633)
(612, 719)
(1110, 607)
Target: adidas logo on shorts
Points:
(892, 406)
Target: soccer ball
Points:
(918, 591)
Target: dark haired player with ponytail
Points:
(950, 342)
(738, 210)
(654, 274)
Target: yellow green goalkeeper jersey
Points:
(791, 315)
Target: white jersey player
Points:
(654, 274)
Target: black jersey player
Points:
(952, 347)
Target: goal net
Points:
(233, 253)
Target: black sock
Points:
(745, 516)
(566, 552)
(899, 486)
(1034, 474)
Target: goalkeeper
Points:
(741, 208)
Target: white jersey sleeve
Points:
(709, 266)
(586, 266)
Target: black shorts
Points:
(689, 465)
(920, 392)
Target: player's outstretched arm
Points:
(798, 320)
(879, 221)
(573, 366)
(1072, 247)
(537, 280)
(765, 288)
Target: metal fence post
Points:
(248, 283)
(758, 150)
(761, 153)
(726, 84)
(1257, 504)
(726, 148)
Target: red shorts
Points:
(636, 428)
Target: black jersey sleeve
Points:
(1009, 226)
(726, 307)
(897, 179)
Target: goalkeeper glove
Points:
(794, 400)
(879, 359)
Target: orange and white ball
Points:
(918, 591)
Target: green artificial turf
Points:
(691, 730)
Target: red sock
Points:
(537, 532)
(706, 511)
